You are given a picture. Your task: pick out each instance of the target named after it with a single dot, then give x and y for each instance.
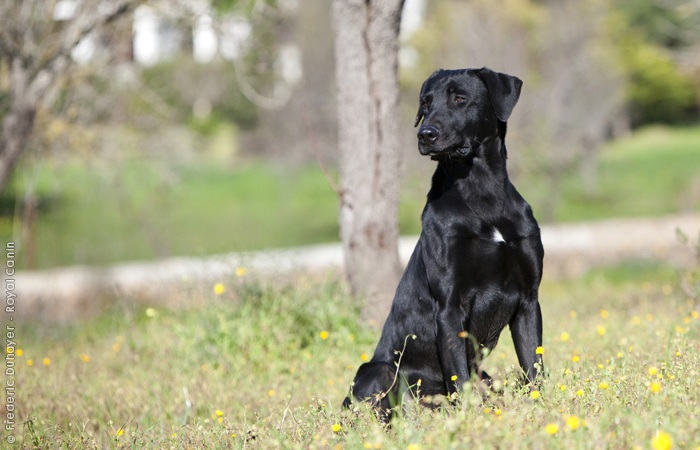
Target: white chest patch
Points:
(497, 236)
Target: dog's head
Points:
(462, 108)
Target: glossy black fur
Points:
(463, 284)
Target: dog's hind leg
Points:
(375, 384)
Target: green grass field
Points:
(102, 212)
(655, 171)
(267, 365)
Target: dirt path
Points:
(66, 294)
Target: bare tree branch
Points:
(37, 52)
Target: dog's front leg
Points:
(443, 278)
(526, 324)
(526, 330)
(452, 344)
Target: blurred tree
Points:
(659, 43)
(668, 23)
(37, 40)
(658, 92)
(311, 99)
(201, 93)
(366, 64)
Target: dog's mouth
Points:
(456, 152)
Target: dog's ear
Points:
(419, 116)
(504, 91)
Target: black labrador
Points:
(478, 263)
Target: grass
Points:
(102, 212)
(653, 172)
(141, 210)
(266, 365)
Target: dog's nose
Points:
(428, 134)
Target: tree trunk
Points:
(16, 129)
(17, 123)
(366, 56)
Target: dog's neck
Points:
(481, 177)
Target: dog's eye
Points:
(460, 99)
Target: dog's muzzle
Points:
(427, 137)
(428, 134)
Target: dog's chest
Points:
(496, 236)
(492, 256)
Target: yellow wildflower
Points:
(336, 427)
(551, 429)
(573, 422)
(539, 350)
(655, 387)
(324, 334)
(535, 395)
(219, 288)
(564, 336)
(662, 441)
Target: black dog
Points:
(478, 263)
